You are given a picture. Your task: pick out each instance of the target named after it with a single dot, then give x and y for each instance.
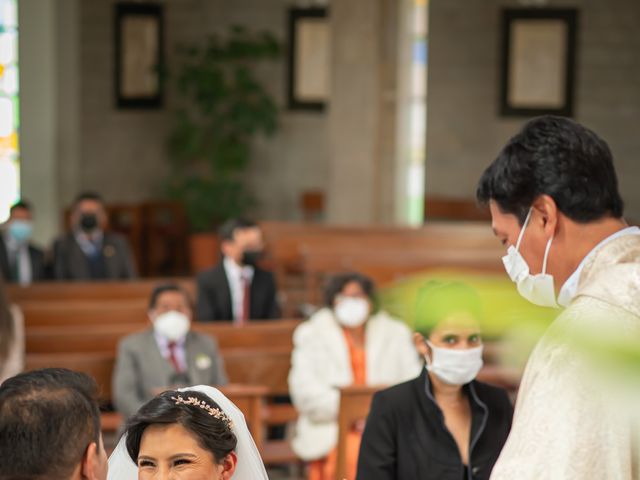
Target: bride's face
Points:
(170, 452)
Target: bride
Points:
(195, 432)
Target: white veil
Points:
(249, 467)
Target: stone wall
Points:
(123, 151)
(465, 130)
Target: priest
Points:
(555, 206)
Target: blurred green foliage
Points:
(222, 106)
(518, 323)
(502, 307)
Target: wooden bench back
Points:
(258, 354)
(97, 365)
(466, 246)
(268, 367)
(285, 240)
(81, 314)
(92, 291)
(105, 338)
(355, 403)
(386, 265)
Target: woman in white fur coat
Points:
(346, 343)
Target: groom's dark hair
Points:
(48, 418)
(558, 157)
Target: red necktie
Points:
(173, 358)
(246, 286)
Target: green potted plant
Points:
(221, 107)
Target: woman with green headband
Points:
(443, 425)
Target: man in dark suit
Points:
(237, 289)
(20, 260)
(88, 252)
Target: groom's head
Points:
(552, 179)
(50, 427)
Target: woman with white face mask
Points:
(443, 425)
(167, 355)
(346, 343)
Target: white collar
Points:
(237, 271)
(163, 342)
(570, 287)
(83, 237)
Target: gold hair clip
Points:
(214, 412)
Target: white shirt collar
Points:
(570, 287)
(236, 271)
(89, 245)
(235, 276)
(163, 342)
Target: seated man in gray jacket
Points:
(165, 356)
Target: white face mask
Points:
(538, 289)
(352, 312)
(172, 325)
(453, 366)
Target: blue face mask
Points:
(21, 230)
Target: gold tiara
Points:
(214, 412)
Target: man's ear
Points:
(547, 209)
(103, 219)
(229, 466)
(89, 461)
(226, 247)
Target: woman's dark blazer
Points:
(405, 437)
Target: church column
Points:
(361, 111)
(49, 94)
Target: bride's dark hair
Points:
(211, 432)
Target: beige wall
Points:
(348, 151)
(465, 130)
(362, 114)
(38, 107)
(123, 152)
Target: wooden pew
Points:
(355, 402)
(97, 365)
(268, 367)
(105, 338)
(81, 314)
(389, 264)
(250, 399)
(285, 241)
(289, 244)
(259, 353)
(385, 253)
(447, 208)
(92, 291)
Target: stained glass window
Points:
(9, 107)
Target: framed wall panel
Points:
(538, 61)
(138, 55)
(309, 59)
